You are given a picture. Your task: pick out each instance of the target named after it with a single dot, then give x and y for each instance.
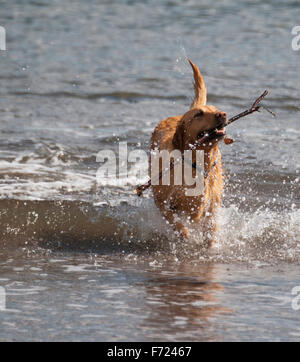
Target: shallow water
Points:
(83, 262)
(77, 297)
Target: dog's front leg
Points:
(178, 227)
(209, 230)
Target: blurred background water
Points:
(83, 262)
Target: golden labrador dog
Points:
(181, 133)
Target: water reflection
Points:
(185, 303)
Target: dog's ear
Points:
(178, 139)
(199, 87)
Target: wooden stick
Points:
(254, 108)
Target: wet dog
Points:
(181, 133)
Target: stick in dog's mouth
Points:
(214, 133)
(220, 133)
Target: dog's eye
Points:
(199, 114)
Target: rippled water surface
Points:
(83, 262)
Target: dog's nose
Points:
(221, 117)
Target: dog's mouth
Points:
(214, 133)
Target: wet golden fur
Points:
(179, 132)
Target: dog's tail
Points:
(199, 87)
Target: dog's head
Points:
(199, 119)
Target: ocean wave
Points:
(117, 95)
(137, 229)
